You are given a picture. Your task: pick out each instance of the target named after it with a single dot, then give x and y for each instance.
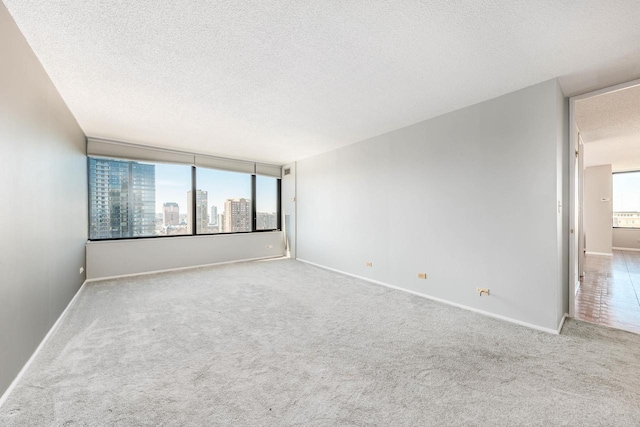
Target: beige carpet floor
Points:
(285, 343)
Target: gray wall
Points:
(598, 209)
(44, 214)
(626, 238)
(470, 198)
(110, 258)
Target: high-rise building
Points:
(122, 195)
(202, 217)
(237, 215)
(266, 221)
(213, 219)
(170, 213)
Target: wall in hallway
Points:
(598, 209)
(626, 238)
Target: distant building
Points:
(202, 217)
(237, 215)
(213, 219)
(221, 222)
(122, 197)
(626, 219)
(170, 213)
(266, 221)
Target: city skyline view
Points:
(137, 199)
(173, 182)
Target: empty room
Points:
(312, 213)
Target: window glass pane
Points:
(137, 199)
(626, 200)
(223, 201)
(266, 203)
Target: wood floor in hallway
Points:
(609, 294)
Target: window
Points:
(137, 199)
(266, 203)
(137, 191)
(223, 201)
(626, 199)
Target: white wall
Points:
(598, 209)
(110, 258)
(564, 155)
(470, 198)
(626, 238)
(44, 192)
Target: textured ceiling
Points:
(610, 128)
(277, 81)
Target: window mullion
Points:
(194, 214)
(254, 219)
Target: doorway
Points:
(605, 253)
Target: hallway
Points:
(609, 294)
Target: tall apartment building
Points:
(202, 217)
(237, 215)
(170, 213)
(122, 195)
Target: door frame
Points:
(576, 178)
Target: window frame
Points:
(252, 192)
(613, 197)
(192, 202)
(278, 206)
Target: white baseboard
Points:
(53, 328)
(627, 249)
(454, 304)
(144, 273)
(564, 318)
(599, 253)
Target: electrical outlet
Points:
(368, 264)
(81, 270)
(422, 275)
